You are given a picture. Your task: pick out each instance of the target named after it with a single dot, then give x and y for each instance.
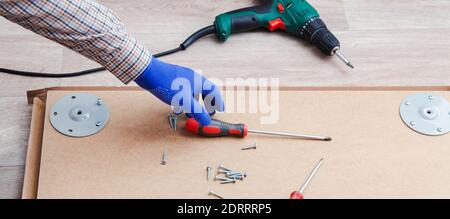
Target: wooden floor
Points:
(402, 42)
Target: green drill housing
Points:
(294, 13)
(296, 17)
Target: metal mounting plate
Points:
(79, 115)
(426, 113)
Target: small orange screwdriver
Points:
(221, 129)
(299, 194)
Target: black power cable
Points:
(189, 41)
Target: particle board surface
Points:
(372, 155)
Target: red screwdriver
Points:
(220, 129)
(299, 194)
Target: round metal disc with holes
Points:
(426, 113)
(79, 115)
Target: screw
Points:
(212, 193)
(235, 177)
(412, 123)
(223, 168)
(233, 173)
(249, 147)
(98, 124)
(228, 181)
(243, 174)
(224, 171)
(99, 102)
(220, 178)
(431, 97)
(164, 158)
(208, 172)
(173, 121)
(440, 129)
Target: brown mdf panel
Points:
(372, 155)
(33, 157)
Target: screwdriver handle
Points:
(296, 195)
(216, 129)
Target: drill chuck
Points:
(316, 32)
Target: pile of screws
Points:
(226, 176)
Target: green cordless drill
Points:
(297, 17)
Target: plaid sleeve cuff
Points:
(129, 61)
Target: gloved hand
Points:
(178, 86)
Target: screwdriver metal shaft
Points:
(343, 58)
(311, 175)
(312, 137)
(299, 194)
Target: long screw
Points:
(208, 173)
(212, 193)
(173, 124)
(164, 157)
(228, 181)
(235, 177)
(243, 174)
(221, 167)
(172, 121)
(224, 171)
(218, 178)
(253, 146)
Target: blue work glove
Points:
(179, 86)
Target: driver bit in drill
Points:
(343, 58)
